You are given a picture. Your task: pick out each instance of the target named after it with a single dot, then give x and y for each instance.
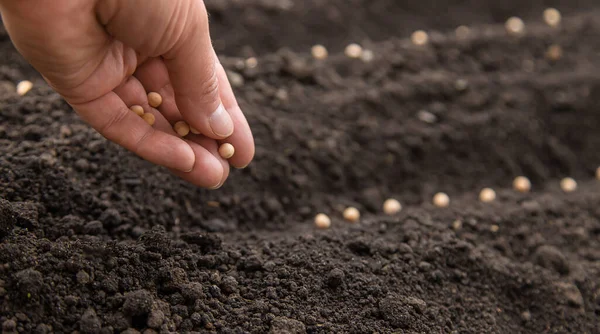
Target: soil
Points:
(95, 240)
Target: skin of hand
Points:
(103, 56)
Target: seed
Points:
(462, 32)
(319, 52)
(23, 87)
(235, 79)
(487, 195)
(194, 130)
(351, 214)
(419, 37)
(457, 225)
(461, 84)
(226, 150)
(154, 99)
(182, 128)
(598, 173)
(522, 184)
(494, 228)
(514, 26)
(149, 118)
(251, 62)
(137, 109)
(552, 17)
(426, 116)
(353, 50)
(391, 206)
(554, 52)
(568, 184)
(367, 56)
(441, 200)
(322, 221)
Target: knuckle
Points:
(107, 127)
(140, 142)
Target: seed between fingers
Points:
(182, 128)
(149, 118)
(154, 99)
(226, 150)
(137, 109)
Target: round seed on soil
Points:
(568, 184)
(487, 195)
(494, 228)
(552, 17)
(319, 52)
(419, 37)
(598, 173)
(514, 26)
(322, 221)
(194, 130)
(554, 52)
(462, 32)
(391, 206)
(457, 225)
(441, 200)
(353, 50)
(251, 62)
(23, 87)
(154, 99)
(149, 118)
(367, 56)
(226, 150)
(522, 184)
(182, 128)
(137, 109)
(351, 214)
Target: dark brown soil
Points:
(95, 240)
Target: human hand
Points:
(103, 56)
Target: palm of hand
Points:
(102, 63)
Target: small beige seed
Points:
(487, 195)
(182, 128)
(515, 26)
(494, 228)
(552, 17)
(522, 184)
(367, 56)
(598, 173)
(441, 200)
(154, 99)
(322, 221)
(351, 214)
(226, 151)
(419, 37)
(194, 130)
(353, 50)
(251, 62)
(568, 184)
(137, 109)
(554, 52)
(149, 118)
(391, 206)
(457, 225)
(23, 87)
(462, 32)
(235, 79)
(319, 52)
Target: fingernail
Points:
(221, 123)
(189, 159)
(217, 186)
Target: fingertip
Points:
(188, 159)
(221, 123)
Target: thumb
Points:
(178, 32)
